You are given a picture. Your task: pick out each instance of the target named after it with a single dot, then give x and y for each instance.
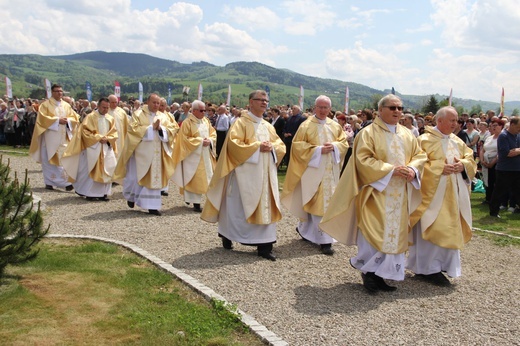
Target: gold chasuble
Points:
(381, 216)
(445, 210)
(121, 122)
(258, 183)
(56, 136)
(309, 189)
(101, 161)
(154, 157)
(194, 163)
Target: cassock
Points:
(146, 162)
(243, 193)
(194, 163)
(312, 176)
(442, 222)
(89, 163)
(370, 208)
(50, 139)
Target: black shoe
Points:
(382, 285)
(496, 215)
(154, 212)
(298, 231)
(69, 188)
(130, 204)
(114, 184)
(164, 193)
(91, 199)
(326, 249)
(49, 187)
(369, 282)
(196, 208)
(267, 255)
(187, 203)
(104, 198)
(437, 279)
(226, 243)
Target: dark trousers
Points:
(506, 181)
(491, 183)
(221, 137)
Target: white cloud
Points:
(252, 18)
(307, 17)
(480, 24)
(378, 69)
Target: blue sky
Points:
(419, 47)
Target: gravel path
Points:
(304, 297)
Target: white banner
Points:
(300, 99)
(140, 92)
(347, 101)
(228, 101)
(48, 88)
(200, 92)
(9, 88)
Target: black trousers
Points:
(506, 181)
(221, 137)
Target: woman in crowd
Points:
(473, 135)
(488, 157)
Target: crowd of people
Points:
(354, 178)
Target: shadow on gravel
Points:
(351, 298)
(218, 257)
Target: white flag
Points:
(9, 87)
(449, 100)
(347, 100)
(48, 88)
(200, 92)
(140, 92)
(228, 102)
(301, 98)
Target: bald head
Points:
(112, 101)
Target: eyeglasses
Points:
(201, 110)
(394, 108)
(262, 100)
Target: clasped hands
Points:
(327, 148)
(404, 172)
(453, 168)
(266, 147)
(157, 124)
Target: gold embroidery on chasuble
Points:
(156, 166)
(62, 133)
(328, 183)
(262, 134)
(394, 195)
(204, 133)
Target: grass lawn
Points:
(93, 293)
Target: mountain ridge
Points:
(101, 68)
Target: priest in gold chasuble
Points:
(194, 155)
(243, 193)
(317, 149)
(146, 162)
(55, 125)
(375, 196)
(442, 222)
(90, 158)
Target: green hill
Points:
(101, 69)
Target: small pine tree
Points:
(431, 105)
(21, 226)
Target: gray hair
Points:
(441, 113)
(197, 104)
(387, 98)
(323, 98)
